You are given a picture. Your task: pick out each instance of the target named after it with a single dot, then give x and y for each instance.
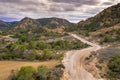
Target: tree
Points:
(23, 38)
(32, 45)
(56, 47)
(32, 55)
(46, 54)
(59, 56)
(42, 72)
(42, 45)
(26, 73)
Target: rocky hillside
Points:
(4, 24)
(107, 18)
(54, 22)
(27, 22)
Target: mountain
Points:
(50, 23)
(4, 24)
(107, 18)
(26, 23)
(54, 22)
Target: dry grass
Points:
(104, 30)
(7, 66)
(59, 29)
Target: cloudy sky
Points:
(73, 10)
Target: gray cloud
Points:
(59, 8)
(78, 2)
(20, 2)
(11, 1)
(107, 3)
(73, 10)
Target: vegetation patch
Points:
(114, 68)
(109, 61)
(30, 50)
(41, 73)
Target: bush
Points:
(42, 73)
(32, 55)
(59, 56)
(56, 73)
(26, 73)
(114, 67)
(108, 39)
(46, 54)
(7, 56)
(26, 51)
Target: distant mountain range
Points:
(43, 22)
(107, 18)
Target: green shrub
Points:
(42, 73)
(114, 67)
(26, 73)
(46, 54)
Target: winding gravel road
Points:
(74, 61)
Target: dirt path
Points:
(74, 64)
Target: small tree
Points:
(32, 55)
(57, 47)
(46, 54)
(42, 72)
(26, 73)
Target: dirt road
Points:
(74, 64)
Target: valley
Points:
(57, 49)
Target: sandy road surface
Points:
(73, 61)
